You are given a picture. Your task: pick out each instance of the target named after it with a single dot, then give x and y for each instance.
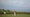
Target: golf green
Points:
(17, 15)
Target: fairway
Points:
(18, 15)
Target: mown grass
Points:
(17, 15)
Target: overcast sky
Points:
(18, 5)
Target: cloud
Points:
(17, 2)
(21, 2)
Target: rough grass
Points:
(18, 15)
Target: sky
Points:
(18, 5)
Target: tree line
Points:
(11, 12)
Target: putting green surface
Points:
(17, 15)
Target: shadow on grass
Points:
(0, 15)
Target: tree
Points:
(8, 10)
